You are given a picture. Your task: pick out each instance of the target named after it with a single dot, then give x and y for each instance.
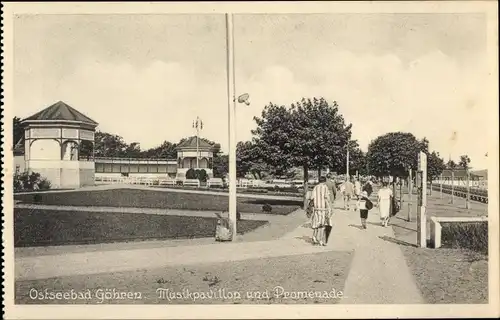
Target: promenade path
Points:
(378, 273)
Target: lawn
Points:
(35, 227)
(444, 275)
(158, 199)
(228, 282)
(449, 275)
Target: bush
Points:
(191, 174)
(202, 175)
(267, 208)
(26, 181)
(466, 235)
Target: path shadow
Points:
(306, 239)
(274, 202)
(396, 241)
(399, 226)
(375, 224)
(356, 226)
(307, 225)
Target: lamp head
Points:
(244, 99)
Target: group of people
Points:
(321, 206)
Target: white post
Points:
(467, 202)
(421, 216)
(232, 123)
(441, 186)
(197, 142)
(347, 162)
(452, 186)
(410, 191)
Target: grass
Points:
(466, 235)
(34, 227)
(313, 272)
(157, 199)
(449, 275)
(445, 275)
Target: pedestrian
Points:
(368, 187)
(357, 188)
(364, 205)
(348, 193)
(322, 211)
(384, 203)
(332, 187)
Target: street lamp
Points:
(231, 104)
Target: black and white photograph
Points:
(247, 154)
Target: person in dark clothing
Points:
(368, 188)
(364, 205)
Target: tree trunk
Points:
(306, 186)
(319, 173)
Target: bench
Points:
(436, 227)
(191, 182)
(215, 182)
(167, 182)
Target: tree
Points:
(451, 165)
(310, 134)
(17, 130)
(248, 160)
(464, 162)
(394, 154)
(133, 150)
(435, 166)
(220, 166)
(109, 145)
(166, 150)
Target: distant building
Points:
(59, 144)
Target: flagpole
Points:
(197, 142)
(232, 124)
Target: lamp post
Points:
(347, 162)
(198, 124)
(231, 104)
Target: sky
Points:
(147, 77)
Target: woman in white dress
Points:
(384, 203)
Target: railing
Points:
(476, 194)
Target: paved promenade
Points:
(378, 273)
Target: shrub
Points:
(44, 184)
(466, 235)
(267, 208)
(202, 175)
(26, 181)
(191, 174)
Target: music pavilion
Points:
(59, 144)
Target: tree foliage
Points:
(451, 165)
(17, 130)
(395, 153)
(220, 166)
(464, 162)
(435, 166)
(310, 134)
(249, 160)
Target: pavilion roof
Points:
(60, 111)
(190, 143)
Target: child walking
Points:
(364, 205)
